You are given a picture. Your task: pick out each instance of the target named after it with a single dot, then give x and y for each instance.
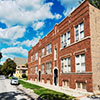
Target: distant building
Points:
(21, 67)
(69, 56)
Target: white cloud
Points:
(69, 5)
(69, 11)
(12, 33)
(41, 33)
(24, 12)
(13, 51)
(38, 25)
(58, 16)
(32, 42)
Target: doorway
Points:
(55, 77)
(39, 76)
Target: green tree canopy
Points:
(0, 69)
(26, 65)
(95, 3)
(9, 67)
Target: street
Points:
(10, 92)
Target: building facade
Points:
(21, 67)
(69, 55)
(20, 70)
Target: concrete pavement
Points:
(10, 92)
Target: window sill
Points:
(75, 42)
(48, 54)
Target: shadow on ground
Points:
(11, 96)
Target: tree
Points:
(0, 55)
(26, 65)
(9, 67)
(95, 3)
(0, 69)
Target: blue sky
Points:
(24, 22)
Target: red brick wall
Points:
(81, 14)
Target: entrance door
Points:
(55, 77)
(39, 76)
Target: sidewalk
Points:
(78, 94)
(30, 93)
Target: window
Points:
(31, 58)
(80, 85)
(65, 65)
(65, 40)
(36, 56)
(65, 83)
(23, 66)
(48, 68)
(31, 70)
(35, 69)
(43, 52)
(39, 60)
(24, 71)
(55, 54)
(49, 49)
(42, 68)
(80, 63)
(79, 31)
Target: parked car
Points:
(14, 81)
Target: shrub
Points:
(24, 76)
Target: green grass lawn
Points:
(46, 93)
(24, 78)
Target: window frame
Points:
(65, 39)
(36, 69)
(79, 31)
(42, 68)
(36, 56)
(80, 64)
(48, 68)
(55, 54)
(49, 49)
(43, 52)
(65, 65)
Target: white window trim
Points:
(43, 53)
(65, 62)
(80, 86)
(47, 49)
(36, 56)
(64, 42)
(31, 58)
(80, 64)
(48, 68)
(55, 54)
(42, 69)
(79, 37)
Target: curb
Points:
(30, 93)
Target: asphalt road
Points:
(10, 92)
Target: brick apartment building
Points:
(69, 56)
